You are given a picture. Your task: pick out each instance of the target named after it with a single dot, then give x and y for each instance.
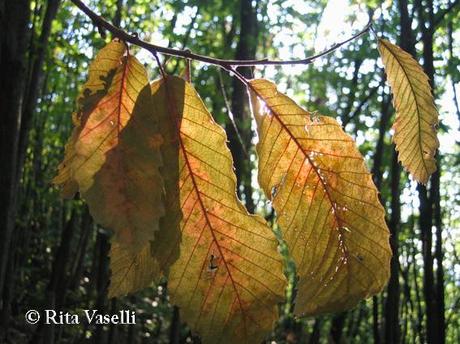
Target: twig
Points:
(226, 64)
(155, 55)
(230, 115)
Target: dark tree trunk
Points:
(392, 333)
(392, 329)
(426, 204)
(57, 286)
(418, 298)
(337, 327)
(346, 114)
(33, 84)
(375, 319)
(245, 49)
(35, 79)
(428, 278)
(379, 148)
(118, 13)
(14, 19)
(435, 196)
(77, 268)
(377, 177)
(315, 334)
(439, 255)
(452, 66)
(433, 289)
(102, 278)
(174, 331)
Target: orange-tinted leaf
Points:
(113, 156)
(226, 275)
(416, 114)
(96, 87)
(326, 203)
(131, 271)
(126, 195)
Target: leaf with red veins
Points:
(326, 203)
(224, 271)
(113, 157)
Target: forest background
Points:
(53, 256)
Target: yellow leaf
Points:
(113, 156)
(131, 271)
(100, 72)
(127, 191)
(326, 203)
(227, 275)
(416, 114)
(64, 180)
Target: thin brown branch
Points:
(226, 64)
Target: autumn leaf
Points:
(226, 275)
(96, 87)
(128, 190)
(130, 271)
(416, 114)
(113, 156)
(326, 203)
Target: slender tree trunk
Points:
(452, 66)
(315, 334)
(439, 255)
(245, 49)
(14, 19)
(337, 327)
(375, 319)
(377, 177)
(409, 319)
(392, 329)
(32, 85)
(433, 288)
(379, 148)
(86, 230)
(36, 76)
(57, 285)
(101, 282)
(426, 205)
(174, 331)
(359, 318)
(392, 316)
(435, 199)
(118, 13)
(346, 112)
(418, 297)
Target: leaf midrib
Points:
(338, 221)
(201, 202)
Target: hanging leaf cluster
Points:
(154, 168)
